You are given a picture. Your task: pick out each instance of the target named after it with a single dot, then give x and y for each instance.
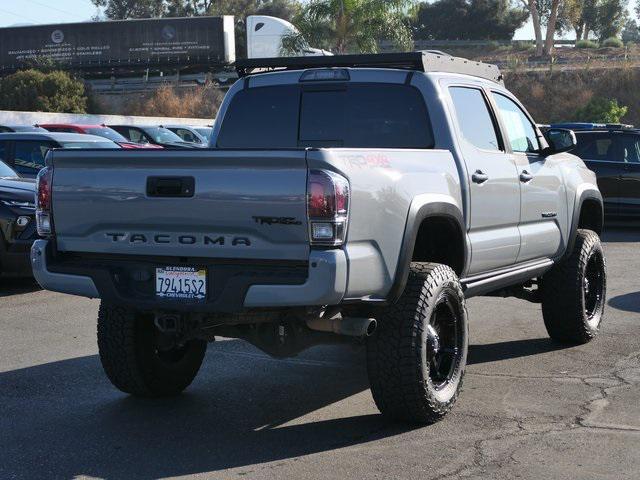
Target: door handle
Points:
(479, 177)
(525, 176)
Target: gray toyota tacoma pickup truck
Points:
(350, 198)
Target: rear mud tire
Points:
(134, 363)
(416, 358)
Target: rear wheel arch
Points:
(434, 233)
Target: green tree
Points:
(354, 26)
(612, 15)
(124, 9)
(601, 110)
(468, 19)
(547, 13)
(631, 32)
(35, 91)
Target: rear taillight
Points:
(44, 220)
(328, 207)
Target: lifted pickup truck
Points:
(345, 198)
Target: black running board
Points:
(498, 279)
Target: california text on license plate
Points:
(183, 283)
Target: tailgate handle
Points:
(170, 186)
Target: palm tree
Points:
(353, 26)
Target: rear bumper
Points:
(58, 282)
(232, 287)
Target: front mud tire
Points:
(574, 292)
(417, 356)
(134, 360)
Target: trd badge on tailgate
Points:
(277, 221)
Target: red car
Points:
(100, 130)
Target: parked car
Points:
(17, 222)
(25, 152)
(151, 134)
(360, 197)
(197, 135)
(613, 153)
(99, 130)
(20, 128)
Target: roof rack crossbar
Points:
(422, 61)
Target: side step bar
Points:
(489, 282)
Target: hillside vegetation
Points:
(553, 96)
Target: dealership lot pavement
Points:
(530, 408)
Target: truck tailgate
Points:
(241, 204)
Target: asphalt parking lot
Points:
(530, 408)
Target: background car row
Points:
(23, 147)
(128, 136)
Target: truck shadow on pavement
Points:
(493, 352)
(17, 286)
(63, 419)
(629, 302)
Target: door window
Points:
(474, 119)
(520, 131)
(187, 135)
(3, 151)
(600, 146)
(137, 136)
(29, 155)
(629, 149)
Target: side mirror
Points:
(560, 140)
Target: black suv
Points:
(17, 223)
(613, 153)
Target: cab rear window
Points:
(352, 116)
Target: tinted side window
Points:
(596, 146)
(262, 118)
(520, 132)
(29, 155)
(3, 151)
(474, 119)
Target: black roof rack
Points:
(422, 61)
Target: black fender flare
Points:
(590, 194)
(418, 212)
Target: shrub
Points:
(601, 110)
(167, 101)
(586, 44)
(613, 42)
(36, 91)
(523, 46)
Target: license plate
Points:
(181, 283)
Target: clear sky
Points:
(44, 11)
(14, 12)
